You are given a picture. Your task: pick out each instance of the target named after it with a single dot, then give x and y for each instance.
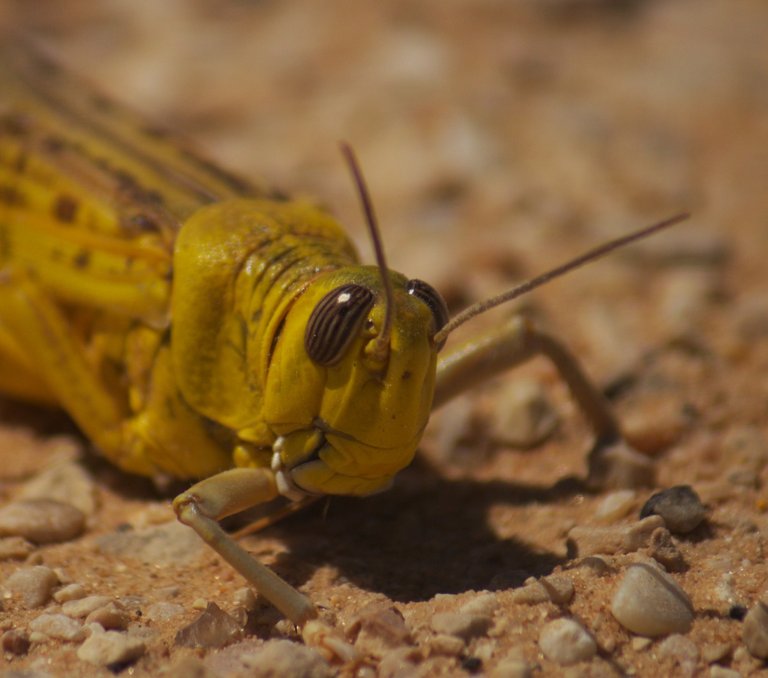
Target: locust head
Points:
(370, 399)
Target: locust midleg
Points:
(609, 463)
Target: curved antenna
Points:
(381, 348)
(537, 281)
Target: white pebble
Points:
(651, 603)
(460, 624)
(69, 592)
(33, 585)
(106, 648)
(566, 642)
(57, 626)
(284, 658)
(615, 506)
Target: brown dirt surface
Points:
(498, 139)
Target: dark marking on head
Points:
(155, 132)
(82, 259)
(53, 144)
(407, 374)
(65, 208)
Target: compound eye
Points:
(431, 297)
(335, 322)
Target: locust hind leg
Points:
(611, 463)
(232, 491)
(32, 321)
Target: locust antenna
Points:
(537, 281)
(381, 347)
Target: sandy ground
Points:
(499, 139)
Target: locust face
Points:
(372, 386)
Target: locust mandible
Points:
(198, 326)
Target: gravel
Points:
(566, 642)
(82, 607)
(379, 630)
(278, 658)
(58, 626)
(41, 521)
(680, 507)
(32, 585)
(651, 603)
(110, 648)
(213, 628)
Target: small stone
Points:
(58, 626)
(656, 423)
(715, 652)
(619, 466)
(378, 630)
(159, 612)
(33, 585)
(278, 658)
(41, 521)
(683, 650)
(755, 631)
(82, 607)
(69, 592)
(559, 587)
(639, 643)
(399, 663)
(524, 416)
(590, 540)
(565, 642)
(615, 506)
(15, 642)
(111, 617)
(188, 667)
(680, 507)
(450, 646)
(246, 598)
(461, 625)
(532, 593)
(110, 648)
(663, 550)
(168, 544)
(64, 481)
(651, 603)
(15, 548)
(213, 628)
(483, 604)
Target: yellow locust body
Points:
(197, 326)
(184, 308)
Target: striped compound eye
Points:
(335, 322)
(431, 297)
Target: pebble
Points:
(559, 588)
(683, 650)
(615, 506)
(450, 646)
(755, 631)
(278, 658)
(656, 423)
(399, 663)
(64, 481)
(565, 642)
(58, 626)
(159, 612)
(41, 521)
(663, 550)
(651, 603)
(15, 548)
(590, 540)
(112, 617)
(461, 624)
(523, 415)
(69, 592)
(33, 585)
(15, 642)
(680, 507)
(82, 607)
(379, 630)
(167, 544)
(512, 667)
(619, 467)
(110, 648)
(213, 628)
